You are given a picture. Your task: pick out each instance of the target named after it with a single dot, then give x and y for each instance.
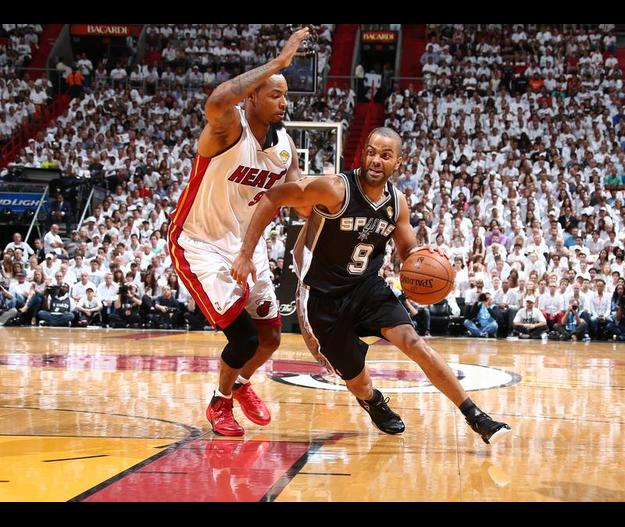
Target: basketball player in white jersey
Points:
(241, 154)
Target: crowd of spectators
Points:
(111, 116)
(520, 182)
(194, 56)
(21, 101)
(18, 42)
(543, 58)
(139, 144)
(21, 98)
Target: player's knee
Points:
(413, 341)
(407, 338)
(271, 341)
(239, 350)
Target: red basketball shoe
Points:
(219, 413)
(253, 408)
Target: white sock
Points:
(219, 394)
(242, 380)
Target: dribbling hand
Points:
(241, 268)
(290, 48)
(439, 250)
(431, 249)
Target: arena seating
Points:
(518, 131)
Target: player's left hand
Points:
(241, 268)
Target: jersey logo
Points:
(389, 211)
(284, 155)
(369, 225)
(255, 177)
(366, 230)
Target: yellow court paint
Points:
(32, 478)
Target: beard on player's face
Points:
(278, 123)
(270, 113)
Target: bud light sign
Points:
(19, 202)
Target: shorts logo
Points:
(263, 308)
(287, 310)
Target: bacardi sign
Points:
(106, 30)
(380, 37)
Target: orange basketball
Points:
(427, 278)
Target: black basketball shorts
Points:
(332, 326)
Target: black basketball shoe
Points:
(491, 431)
(381, 415)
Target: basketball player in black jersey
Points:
(341, 296)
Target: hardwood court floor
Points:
(114, 415)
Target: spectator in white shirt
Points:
(551, 303)
(506, 302)
(51, 266)
(119, 75)
(277, 246)
(599, 306)
(52, 242)
(91, 227)
(595, 243)
(535, 263)
(93, 246)
(80, 288)
(96, 275)
(19, 289)
(107, 292)
(529, 321)
(17, 243)
(89, 308)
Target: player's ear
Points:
(252, 98)
(400, 160)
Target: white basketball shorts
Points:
(205, 271)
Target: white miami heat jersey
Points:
(218, 202)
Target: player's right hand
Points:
(290, 48)
(241, 269)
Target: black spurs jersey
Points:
(336, 251)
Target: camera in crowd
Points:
(51, 290)
(123, 290)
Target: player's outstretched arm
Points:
(224, 126)
(326, 191)
(403, 235)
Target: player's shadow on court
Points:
(571, 491)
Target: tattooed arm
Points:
(224, 127)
